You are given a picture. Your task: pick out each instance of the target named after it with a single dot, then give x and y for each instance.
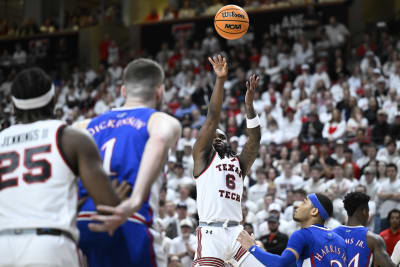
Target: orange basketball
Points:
(231, 22)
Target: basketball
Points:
(231, 22)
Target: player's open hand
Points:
(246, 240)
(123, 190)
(220, 66)
(117, 216)
(251, 86)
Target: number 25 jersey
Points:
(37, 187)
(219, 190)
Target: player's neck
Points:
(352, 221)
(309, 222)
(137, 102)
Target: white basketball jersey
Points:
(219, 191)
(37, 188)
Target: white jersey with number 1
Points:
(37, 188)
(219, 190)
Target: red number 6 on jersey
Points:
(230, 181)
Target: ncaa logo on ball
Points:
(233, 26)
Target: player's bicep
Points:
(89, 166)
(381, 257)
(205, 138)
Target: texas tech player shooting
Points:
(219, 175)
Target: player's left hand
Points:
(246, 240)
(109, 223)
(251, 86)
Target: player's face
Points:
(303, 212)
(220, 142)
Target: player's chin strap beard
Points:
(227, 151)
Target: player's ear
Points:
(160, 92)
(123, 91)
(314, 212)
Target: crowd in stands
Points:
(73, 21)
(330, 122)
(181, 9)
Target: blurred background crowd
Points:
(329, 110)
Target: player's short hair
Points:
(32, 83)
(355, 201)
(326, 203)
(142, 77)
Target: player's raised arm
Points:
(164, 132)
(83, 155)
(378, 248)
(203, 145)
(250, 149)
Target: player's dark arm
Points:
(203, 145)
(378, 248)
(83, 157)
(250, 149)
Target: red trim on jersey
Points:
(60, 150)
(239, 254)
(198, 233)
(312, 260)
(209, 261)
(153, 255)
(195, 177)
(369, 258)
(88, 215)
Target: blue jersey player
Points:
(313, 243)
(364, 248)
(134, 142)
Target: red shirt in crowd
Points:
(391, 239)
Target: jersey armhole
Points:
(59, 135)
(195, 177)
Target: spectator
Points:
(381, 128)
(258, 190)
(115, 72)
(316, 183)
(336, 32)
(389, 194)
(275, 242)
(311, 130)
(392, 234)
(287, 181)
(184, 246)
(210, 44)
(355, 122)
(113, 52)
(339, 185)
(20, 55)
(370, 182)
(336, 128)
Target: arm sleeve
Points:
(273, 260)
(297, 242)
